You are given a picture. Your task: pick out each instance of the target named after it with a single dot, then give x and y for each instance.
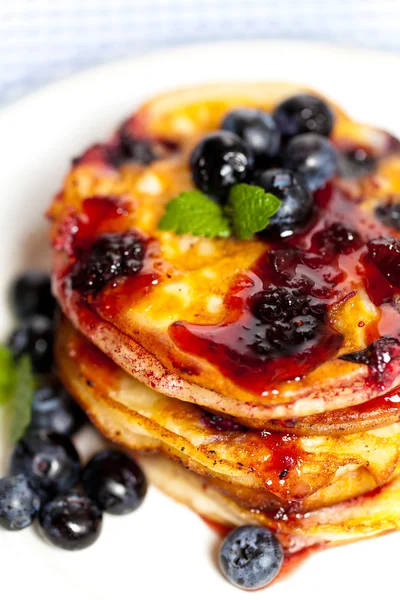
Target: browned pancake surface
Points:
(178, 323)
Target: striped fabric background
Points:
(41, 40)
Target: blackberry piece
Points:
(111, 255)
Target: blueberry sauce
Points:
(314, 270)
(103, 250)
(111, 255)
(380, 356)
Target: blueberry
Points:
(34, 337)
(357, 163)
(19, 503)
(389, 214)
(303, 114)
(251, 557)
(296, 199)
(49, 461)
(115, 482)
(219, 161)
(258, 130)
(313, 156)
(55, 410)
(31, 295)
(71, 522)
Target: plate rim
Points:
(175, 51)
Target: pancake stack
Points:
(162, 346)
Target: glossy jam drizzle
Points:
(98, 214)
(325, 265)
(103, 217)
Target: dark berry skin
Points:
(31, 295)
(220, 422)
(55, 410)
(19, 502)
(385, 254)
(136, 150)
(379, 357)
(303, 113)
(336, 239)
(115, 482)
(258, 130)
(291, 319)
(111, 255)
(312, 156)
(48, 460)
(251, 557)
(389, 215)
(357, 163)
(296, 201)
(71, 522)
(220, 160)
(35, 336)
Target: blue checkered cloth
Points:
(41, 40)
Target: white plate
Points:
(164, 550)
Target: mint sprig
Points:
(21, 399)
(248, 211)
(251, 208)
(7, 374)
(17, 384)
(193, 212)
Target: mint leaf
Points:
(7, 374)
(250, 208)
(193, 212)
(22, 396)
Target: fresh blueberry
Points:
(258, 130)
(115, 482)
(49, 461)
(251, 557)
(71, 522)
(357, 163)
(219, 161)
(31, 295)
(296, 201)
(34, 337)
(389, 214)
(313, 156)
(19, 503)
(55, 410)
(303, 114)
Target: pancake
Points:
(285, 469)
(368, 515)
(356, 475)
(176, 325)
(181, 347)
